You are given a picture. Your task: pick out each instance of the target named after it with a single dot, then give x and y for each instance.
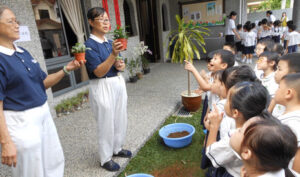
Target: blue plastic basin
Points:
(140, 175)
(177, 127)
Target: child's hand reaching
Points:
(206, 123)
(189, 66)
(215, 118)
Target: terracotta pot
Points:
(80, 57)
(139, 75)
(146, 70)
(191, 103)
(124, 42)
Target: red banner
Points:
(105, 6)
(117, 12)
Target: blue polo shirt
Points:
(99, 53)
(21, 80)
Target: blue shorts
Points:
(249, 50)
(292, 49)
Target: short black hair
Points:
(264, 21)
(259, 23)
(226, 56)
(249, 27)
(232, 13)
(231, 45)
(271, 56)
(293, 60)
(94, 13)
(292, 27)
(268, 43)
(293, 81)
(236, 74)
(269, 12)
(277, 23)
(289, 22)
(278, 48)
(239, 26)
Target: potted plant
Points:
(188, 39)
(121, 36)
(131, 66)
(140, 50)
(79, 51)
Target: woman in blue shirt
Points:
(29, 140)
(108, 96)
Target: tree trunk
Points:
(189, 83)
(292, 4)
(283, 3)
(296, 13)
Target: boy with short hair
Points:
(292, 39)
(288, 95)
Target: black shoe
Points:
(124, 153)
(111, 166)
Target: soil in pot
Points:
(178, 134)
(124, 43)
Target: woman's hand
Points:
(119, 65)
(189, 66)
(215, 118)
(116, 48)
(73, 65)
(9, 154)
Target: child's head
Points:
(264, 45)
(267, 60)
(236, 74)
(291, 27)
(253, 25)
(265, 145)
(221, 60)
(277, 23)
(239, 27)
(289, 90)
(230, 46)
(259, 23)
(278, 48)
(287, 64)
(264, 21)
(246, 100)
(218, 87)
(249, 27)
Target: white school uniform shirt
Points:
(250, 39)
(212, 98)
(265, 33)
(227, 123)
(270, 83)
(285, 32)
(292, 119)
(277, 31)
(271, 18)
(239, 40)
(278, 110)
(279, 173)
(221, 154)
(242, 35)
(230, 25)
(293, 38)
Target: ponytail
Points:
(232, 13)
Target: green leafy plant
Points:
(79, 48)
(131, 66)
(188, 39)
(145, 62)
(120, 33)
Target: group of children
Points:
(252, 117)
(250, 34)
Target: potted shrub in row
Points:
(131, 66)
(139, 51)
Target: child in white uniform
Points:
(288, 95)
(250, 39)
(292, 40)
(263, 146)
(244, 101)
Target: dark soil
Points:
(178, 134)
(179, 170)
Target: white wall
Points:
(277, 13)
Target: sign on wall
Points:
(24, 34)
(208, 13)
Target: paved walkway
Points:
(150, 101)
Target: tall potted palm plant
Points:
(188, 41)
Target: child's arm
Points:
(201, 81)
(296, 165)
(215, 119)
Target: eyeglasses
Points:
(102, 20)
(261, 59)
(256, 49)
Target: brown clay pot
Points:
(191, 103)
(80, 57)
(139, 75)
(124, 43)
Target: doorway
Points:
(147, 17)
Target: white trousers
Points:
(108, 98)
(39, 152)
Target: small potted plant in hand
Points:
(131, 66)
(79, 51)
(121, 36)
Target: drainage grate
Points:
(181, 112)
